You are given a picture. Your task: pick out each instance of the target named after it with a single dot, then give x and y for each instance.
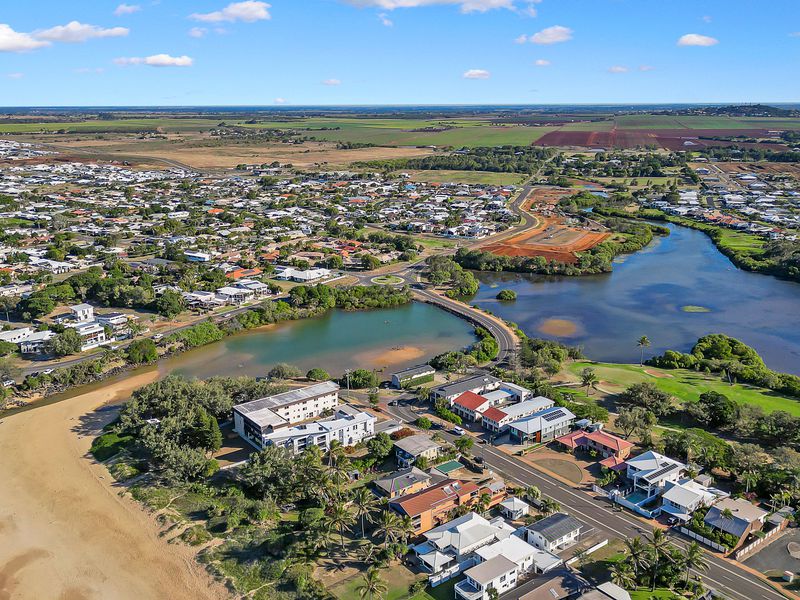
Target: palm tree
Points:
(340, 518)
(637, 555)
(622, 576)
(643, 342)
(549, 506)
(589, 379)
(367, 551)
(364, 502)
(659, 545)
(373, 586)
(694, 558)
(727, 514)
(405, 528)
(483, 503)
(386, 526)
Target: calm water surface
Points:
(645, 295)
(378, 339)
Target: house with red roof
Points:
(471, 406)
(607, 444)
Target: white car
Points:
(8, 383)
(458, 431)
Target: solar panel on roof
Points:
(660, 472)
(557, 414)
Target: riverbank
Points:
(67, 532)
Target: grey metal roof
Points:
(465, 385)
(402, 479)
(488, 571)
(556, 526)
(414, 371)
(290, 397)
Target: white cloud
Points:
(332, 82)
(477, 74)
(15, 41)
(695, 39)
(385, 21)
(75, 32)
(280, 100)
(127, 9)
(618, 69)
(198, 32)
(248, 11)
(521, 39)
(645, 68)
(156, 60)
(552, 35)
(541, 62)
(467, 6)
(15, 75)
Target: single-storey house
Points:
(744, 518)
(554, 533)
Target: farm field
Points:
(684, 384)
(94, 126)
(473, 177)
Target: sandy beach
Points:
(66, 532)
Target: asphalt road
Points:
(723, 576)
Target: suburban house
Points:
(650, 472)
(513, 508)
(348, 426)
(117, 322)
(606, 591)
(402, 482)
(477, 384)
(413, 376)
(527, 558)
(255, 420)
(497, 420)
(36, 342)
(745, 518)
(409, 449)
(460, 537)
(543, 426)
(682, 499)
(499, 573)
(430, 507)
(554, 533)
(92, 334)
(471, 406)
(301, 275)
(605, 444)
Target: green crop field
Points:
(477, 177)
(685, 385)
(117, 125)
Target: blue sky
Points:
(199, 52)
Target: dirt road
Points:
(65, 533)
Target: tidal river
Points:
(674, 291)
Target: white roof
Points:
(514, 504)
(513, 548)
(466, 531)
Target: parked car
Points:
(8, 382)
(458, 430)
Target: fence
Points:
(450, 572)
(746, 551)
(588, 551)
(703, 540)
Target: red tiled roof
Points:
(608, 440)
(417, 503)
(470, 400)
(494, 414)
(613, 463)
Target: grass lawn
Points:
(108, 445)
(648, 595)
(398, 579)
(471, 177)
(741, 241)
(685, 385)
(443, 591)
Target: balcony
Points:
(466, 590)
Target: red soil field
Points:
(551, 239)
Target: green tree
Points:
(365, 503)
(659, 549)
(589, 379)
(648, 396)
(142, 351)
(635, 419)
(340, 518)
(170, 304)
(643, 342)
(65, 343)
(283, 371)
(637, 555)
(694, 558)
(507, 295)
(464, 444)
(318, 374)
(380, 446)
(373, 587)
(424, 423)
